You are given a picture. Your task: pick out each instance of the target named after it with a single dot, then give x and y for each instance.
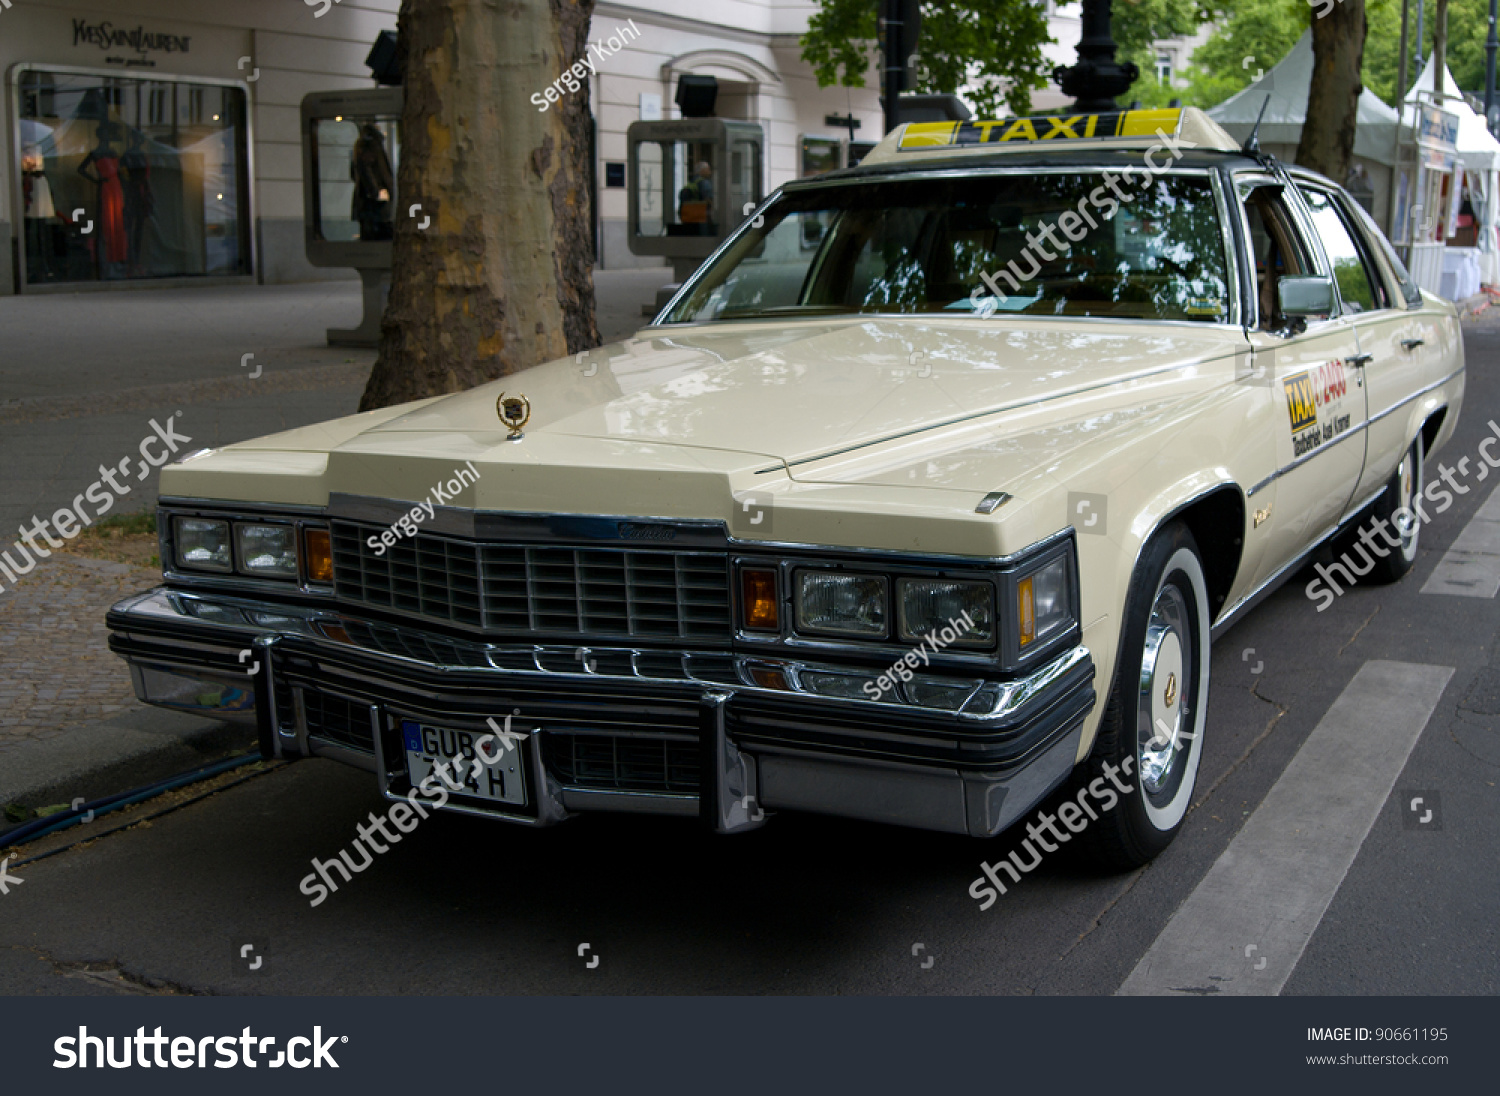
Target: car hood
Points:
(839, 419)
(802, 394)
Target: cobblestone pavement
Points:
(77, 394)
(56, 670)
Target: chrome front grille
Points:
(527, 590)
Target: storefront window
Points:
(125, 178)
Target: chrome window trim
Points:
(928, 175)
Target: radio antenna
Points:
(1251, 146)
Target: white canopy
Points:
(1476, 148)
(1287, 84)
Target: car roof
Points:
(1102, 140)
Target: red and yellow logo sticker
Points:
(1301, 402)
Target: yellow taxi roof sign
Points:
(1188, 126)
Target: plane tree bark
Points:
(1338, 40)
(500, 278)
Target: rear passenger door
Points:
(1386, 366)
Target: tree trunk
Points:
(1327, 143)
(501, 278)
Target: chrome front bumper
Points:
(722, 736)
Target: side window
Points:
(1378, 245)
(1274, 245)
(1360, 291)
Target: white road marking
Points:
(1244, 928)
(1471, 567)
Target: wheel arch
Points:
(1217, 521)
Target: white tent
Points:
(1287, 85)
(1480, 154)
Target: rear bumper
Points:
(721, 736)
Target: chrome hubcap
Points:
(1164, 715)
(1406, 493)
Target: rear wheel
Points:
(1150, 738)
(1401, 494)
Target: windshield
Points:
(1048, 244)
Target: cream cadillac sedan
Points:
(923, 497)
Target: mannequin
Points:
(40, 216)
(139, 201)
(112, 247)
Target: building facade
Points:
(159, 141)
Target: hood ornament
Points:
(514, 413)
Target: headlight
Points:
(1042, 601)
(202, 544)
(967, 608)
(269, 551)
(841, 604)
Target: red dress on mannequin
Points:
(111, 209)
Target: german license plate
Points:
(428, 746)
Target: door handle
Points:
(1410, 344)
(1359, 361)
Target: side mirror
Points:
(1305, 296)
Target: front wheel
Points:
(1150, 737)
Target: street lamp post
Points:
(1097, 77)
(1416, 58)
(1490, 45)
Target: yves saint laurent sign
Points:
(106, 36)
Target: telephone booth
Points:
(351, 146)
(690, 181)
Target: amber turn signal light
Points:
(758, 588)
(1026, 611)
(319, 555)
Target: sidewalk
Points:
(84, 374)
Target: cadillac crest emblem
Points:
(514, 413)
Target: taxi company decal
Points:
(1313, 391)
(1124, 123)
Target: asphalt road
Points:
(813, 905)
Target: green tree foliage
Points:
(1253, 36)
(1468, 25)
(1266, 30)
(997, 44)
(1137, 24)
(994, 46)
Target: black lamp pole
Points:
(1097, 77)
(1491, 44)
